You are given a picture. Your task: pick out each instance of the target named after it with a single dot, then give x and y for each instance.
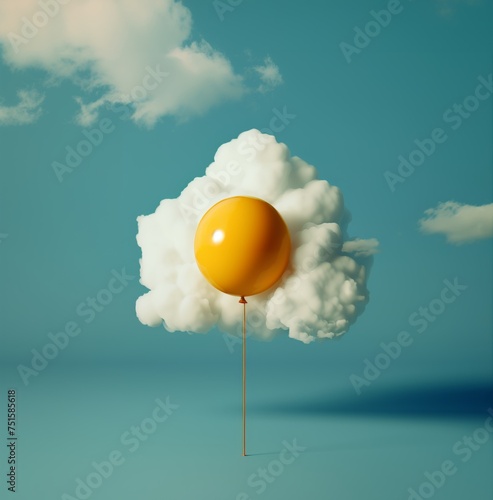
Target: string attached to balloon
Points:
(242, 247)
(243, 357)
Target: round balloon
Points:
(242, 246)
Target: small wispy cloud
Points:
(447, 8)
(361, 248)
(88, 113)
(270, 76)
(26, 111)
(459, 223)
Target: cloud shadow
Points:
(429, 401)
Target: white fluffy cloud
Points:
(135, 52)
(361, 247)
(26, 111)
(459, 223)
(318, 298)
(270, 76)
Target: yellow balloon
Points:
(242, 246)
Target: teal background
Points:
(352, 122)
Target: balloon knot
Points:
(242, 300)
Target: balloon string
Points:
(244, 302)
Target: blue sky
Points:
(68, 233)
(351, 120)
